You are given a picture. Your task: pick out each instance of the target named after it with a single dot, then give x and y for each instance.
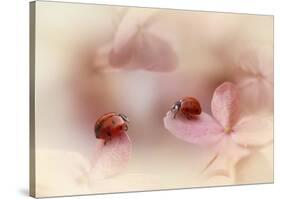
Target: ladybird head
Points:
(124, 117)
(97, 128)
(176, 107)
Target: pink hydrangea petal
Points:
(154, 53)
(259, 89)
(256, 130)
(229, 150)
(112, 157)
(135, 47)
(220, 167)
(256, 61)
(123, 44)
(257, 163)
(226, 104)
(224, 157)
(125, 36)
(55, 167)
(203, 130)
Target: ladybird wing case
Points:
(104, 117)
(101, 120)
(191, 105)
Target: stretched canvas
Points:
(126, 99)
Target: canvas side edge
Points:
(32, 162)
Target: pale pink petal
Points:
(60, 172)
(154, 53)
(247, 60)
(219, 171)
(123, 44)
(225, 155)
(226, 104)
(146, 51)
(257, 163)
(128, 29)
(256, 94)
(229, 150)
(125, 36)
(202, 130)
(255, 65)
(112, 157)
(256, 130)
(246, 82)
(265, 62)
(136, 48)
(256, 61)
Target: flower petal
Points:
(226, 104)
(224, 157)
(256, 163)
(135, 47)
(123, 44)
(124, 39)
(202, 130)
(229, 150)
(154, 53)
(256, 94)
(60, 172)
(112, 157)
(256, 61)
(254, 130)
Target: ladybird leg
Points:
(188, 116)
(125, 127)
(175, 114)
(109, 135)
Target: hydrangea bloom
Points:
(255, 79)
(72, 171)
(225, 134)
(135, 46)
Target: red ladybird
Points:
(188, 106)
(111, 125)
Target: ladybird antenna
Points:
(124, 117)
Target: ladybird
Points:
(111, 125)
(188, 106)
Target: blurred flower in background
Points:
(107, 161)
(254, 68)
(134, 46)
